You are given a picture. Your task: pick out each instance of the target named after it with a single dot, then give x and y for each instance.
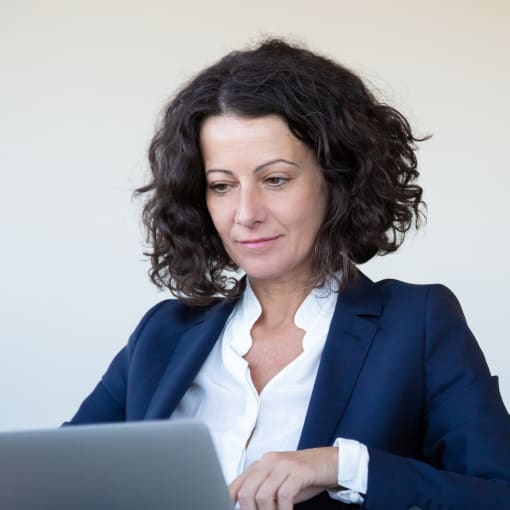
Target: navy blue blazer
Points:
(400, 372)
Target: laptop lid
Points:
(129, 466)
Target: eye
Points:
(220, 187)
(276, 181)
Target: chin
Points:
(262, 272)
(269, 274)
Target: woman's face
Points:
(266, 195)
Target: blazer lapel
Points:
(349, 339)
(188, 357)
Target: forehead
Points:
(232, 137)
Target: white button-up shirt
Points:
(245, 424)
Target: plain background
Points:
(81, 85)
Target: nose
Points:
(250, 207)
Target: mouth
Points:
(258, 243)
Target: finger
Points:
(234, 486)
(247, 485)
(287, 492)
(266, 494)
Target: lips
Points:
(258, 243)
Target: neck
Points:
(279, 301)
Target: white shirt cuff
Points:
(352, 471)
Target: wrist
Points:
(325, 470)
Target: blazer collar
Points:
(188, 356)
(362, 297)
(348, 342)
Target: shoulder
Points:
(393, 287)
(434, 310)
(425, 296)
(171, 310)
(395, 296)
(170, 318)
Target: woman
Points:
(320, 387)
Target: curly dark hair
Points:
(365, 148)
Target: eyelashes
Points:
(273, 182)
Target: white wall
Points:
(80, 87)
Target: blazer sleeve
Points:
(466, 440)
(107, 401)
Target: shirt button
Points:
(415, 508)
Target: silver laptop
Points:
(169, 465)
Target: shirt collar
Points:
(313, 307)
(317, 305)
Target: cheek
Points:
(320, 202)
(310, 212)
(219, 215)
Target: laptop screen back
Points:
(130, 466)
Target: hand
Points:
(280, 479)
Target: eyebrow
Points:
(257, 168)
